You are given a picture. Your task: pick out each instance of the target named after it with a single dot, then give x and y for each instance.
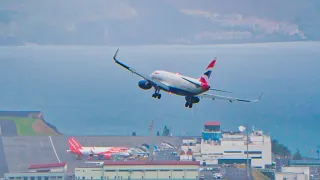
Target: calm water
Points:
(83, 92)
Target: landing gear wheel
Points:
(187, 104)
(156, 95)
(190, 105)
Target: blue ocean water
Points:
(83, 92)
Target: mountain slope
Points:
(152, 22)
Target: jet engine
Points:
(143, 84)
(194, 100)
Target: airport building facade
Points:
(55, 171)
(149, 170)
(217, 147)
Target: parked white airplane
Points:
(173, 83)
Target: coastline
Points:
(162, 45)
(28, 123)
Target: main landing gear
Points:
(188, 104)
(190, 100)
(156, 94)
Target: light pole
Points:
(248, 174)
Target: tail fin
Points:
(73, 148)
(206, 74)
(75, 142)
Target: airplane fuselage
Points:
(88, 151)
(192, 89)
(177, 83)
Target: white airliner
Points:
(192, 89)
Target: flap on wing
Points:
(206, 95)
(195, 83)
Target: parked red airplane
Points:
(102, 152)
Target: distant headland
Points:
(25, 123)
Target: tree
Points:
(297, 155)
(280, 149)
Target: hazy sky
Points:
(154, 22)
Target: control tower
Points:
(211, 131)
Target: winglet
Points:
(115, 55)
(259, 98)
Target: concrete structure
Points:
(314, 166)
(56, 167)
(304, 163)
(35, 176)
(149, 170)
(293, 173)
(54, 171)
(217, 147)
(19, 152)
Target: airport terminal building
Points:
(149, 170)
(217, 147)
(55, 171)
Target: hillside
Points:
(25, 123)
(114, 22)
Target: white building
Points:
(148, 170)
(55, 171)
(218, 147)
(293, 173)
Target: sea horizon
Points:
(81, 91)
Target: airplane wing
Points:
(231, 99)
(199, 85)
(162, 85)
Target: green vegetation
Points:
(24, 125)
(258, 175)
(166, 131)
(280, 149)
(297, 155)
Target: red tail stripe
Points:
(211, 65)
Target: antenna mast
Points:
(151, 138)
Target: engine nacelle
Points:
(143, 84)
(194, 100)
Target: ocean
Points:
(83, 92)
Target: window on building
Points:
(253, 152)
(109, 170)
(32, 178)
(83, 177)
(46, 178)
(232, 151)
(256, 157)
